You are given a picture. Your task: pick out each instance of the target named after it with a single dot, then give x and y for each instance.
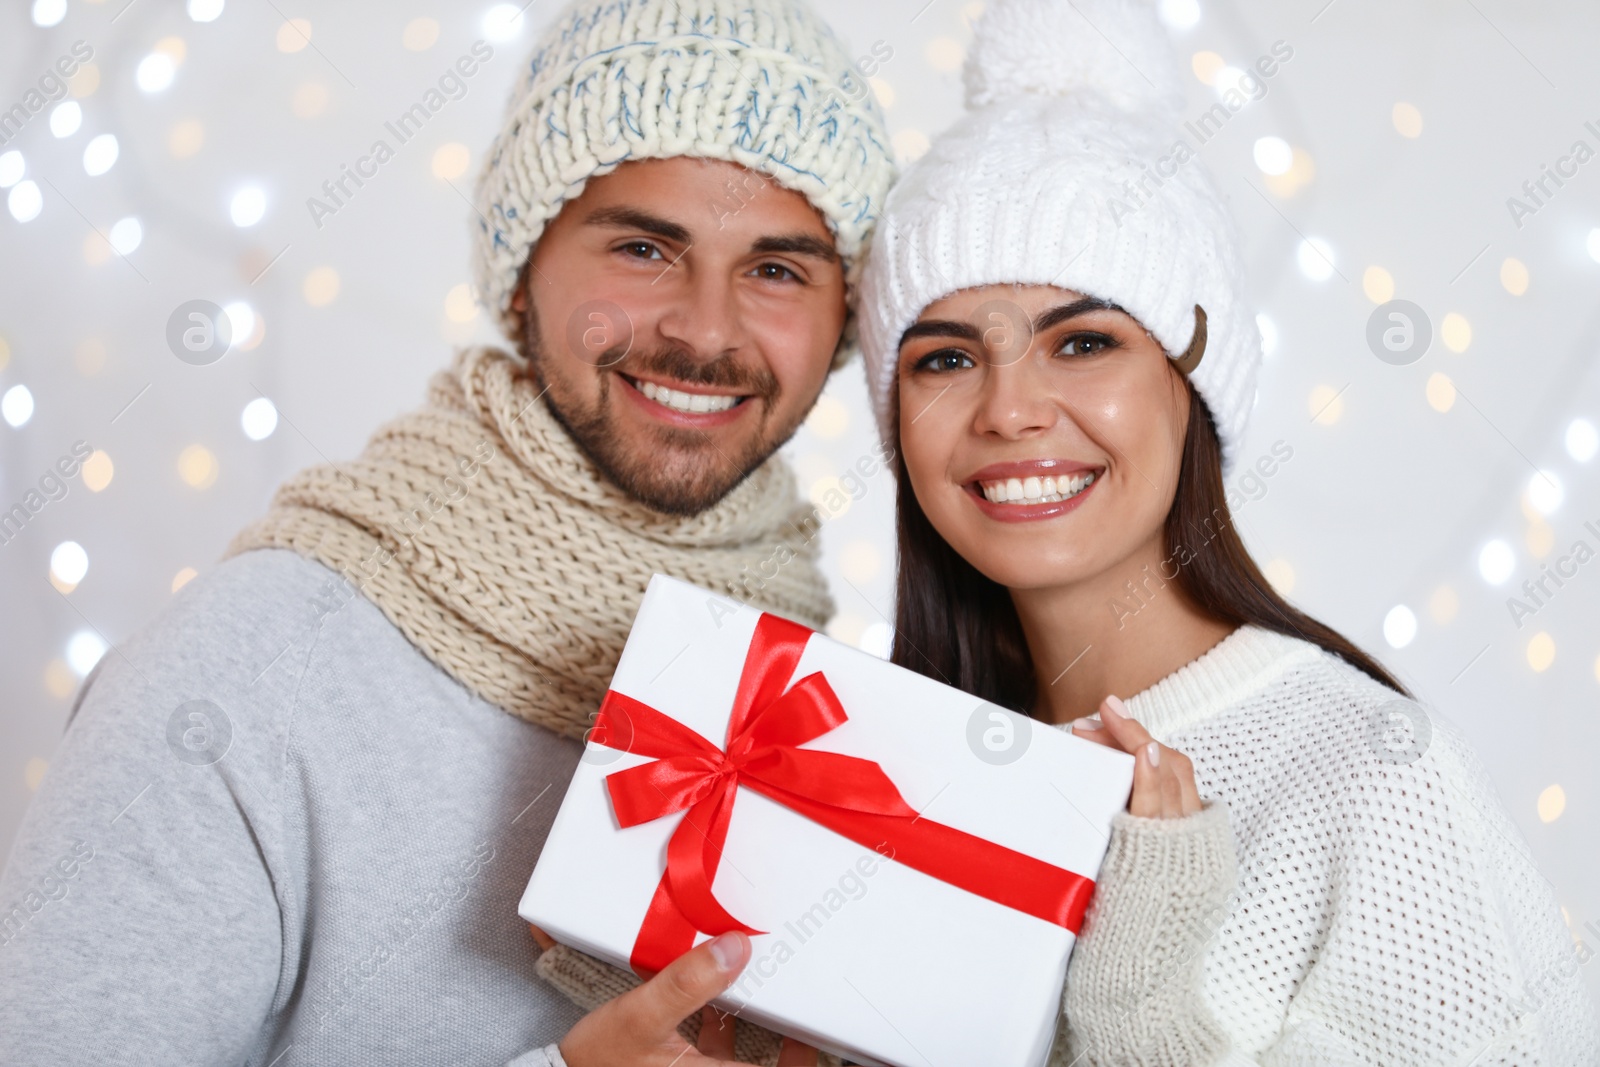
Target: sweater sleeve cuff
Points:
(581, 978)
(1134, 986)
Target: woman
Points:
(1310, 870)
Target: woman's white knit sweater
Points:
(1352, 893)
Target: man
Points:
(290, 824)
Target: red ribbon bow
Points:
(851, 796)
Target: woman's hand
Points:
(716, 1028)
(1163, 778)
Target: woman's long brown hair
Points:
(955, 625)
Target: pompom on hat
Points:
(1072, 169)
(761, 83)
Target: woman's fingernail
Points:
(1117, 707)
(1152, 752)
(1087, 723)
(727, 950)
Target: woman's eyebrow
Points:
(941, 328)
(1057, 315)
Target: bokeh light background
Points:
(1377, 165)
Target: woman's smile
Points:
(1031, 490)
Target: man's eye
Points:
(775, 272)
(946, 359)
(642, 250)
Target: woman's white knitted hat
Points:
(1071, 169)
(761, 83)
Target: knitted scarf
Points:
(478, 526)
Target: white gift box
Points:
(861, 955)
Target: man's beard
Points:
(680, 471)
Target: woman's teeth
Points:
(1036, 490)
(693, 403)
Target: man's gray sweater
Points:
(275, 833)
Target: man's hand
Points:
(640, 1028)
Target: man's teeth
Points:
(1036, 490)
(694, 403)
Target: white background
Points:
(1386, 502)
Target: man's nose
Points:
(702, 314)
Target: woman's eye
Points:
(946, 359)
(642, 250)
(1086, 344)
(775, 272)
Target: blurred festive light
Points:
(1552, 802)
(205, 10)
(185, 138)
(1269, 335)
(247, 206)
(1279, 574)
(1399, 626)
(860, 560)
(1301, 170)
(182, 578)
(1541, 651)
(829, 418)
(241, 320)
(16, 406)
(1594, 244)
(1273, 155)
(1496, 561)
(1514, 276)
(155, 72)
(49, 12)
(25, 201)
(197, 467)
(1180, 14)
(419, 35)
(1326, 405)
(502, 22)
(1407, 120)
(1443, 604)
(126, 235)
(321, 287)
(459, 305)
(100, 154)
(1545, 492)
(909, 145)
(877, 639)
(174, 48)
(294, 35)
(1456, 332)
(86, 81)
(451, 160)
(1378, 284)
(59, 680)
(1315, 257)
(1583, 440)
(1441, 392)
(69, 562)
(945, 54)
(66, 118)
(310, 100)
(1207, 66)
(883, 90)
(97, 471)
(84, 650)
(259, 419)
(12, 168)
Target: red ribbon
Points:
(851, 796)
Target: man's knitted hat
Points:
(1072, 169)
(761, 83)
